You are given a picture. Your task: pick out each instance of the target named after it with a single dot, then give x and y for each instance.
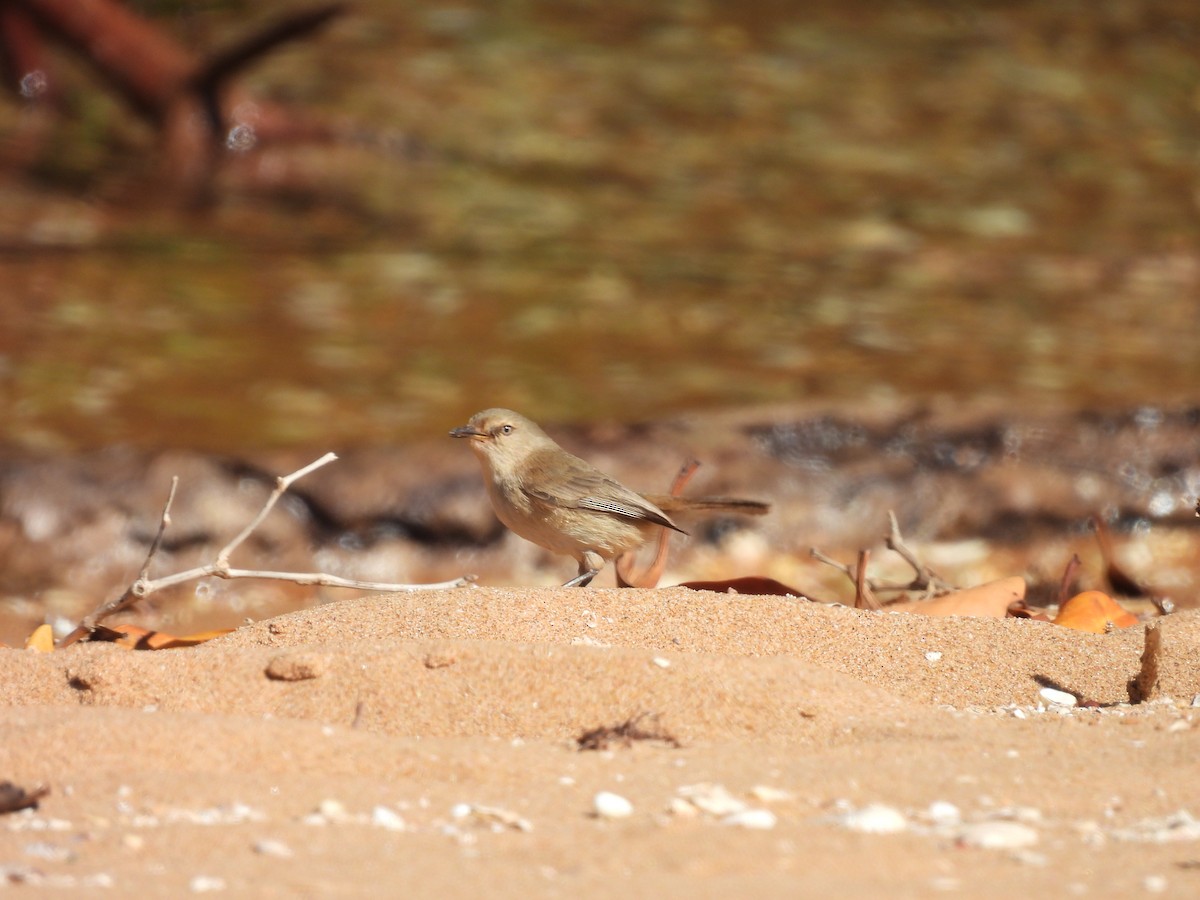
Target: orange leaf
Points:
(749, 584)
(1094, 611)
(134, 637)
(42, 639)
(986, 600)
(159, 640)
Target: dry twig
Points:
(143, 585)
(648, 579)
(1068, 578)
(924, 578)
(624, 734)
(1120, 581)
(864, 597)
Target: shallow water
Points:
(622, 212)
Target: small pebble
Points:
(767, 794)
(933, 655)
(875, 819)
(383, 817)
(756, 819)
(1058, 698)
(998, 835)
(713, 799)
(204, 884)
(942, 812)
(1155, 884)
(274, 848)
(611, 806)
(332, 810)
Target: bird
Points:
(565, 504)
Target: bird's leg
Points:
(582, 579)
(590, 564)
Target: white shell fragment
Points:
(1057, 697)
(875, 819)
(755, 819)
(492, 817)
(384, 817)
(611, 806)
(714, 799)
(767, 794)
(998, 835)
(943, 812)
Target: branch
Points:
(143, 585)
(623, 567)
(924, 578)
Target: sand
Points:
(426, 744)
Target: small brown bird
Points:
(563, 503)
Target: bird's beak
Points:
(467, 431)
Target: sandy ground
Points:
(425, 744)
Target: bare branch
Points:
(864, 597)
(924, 578)
(282, 483)
(143, 585)
(626, 577)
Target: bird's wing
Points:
(577, 484)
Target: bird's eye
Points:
(506, 429)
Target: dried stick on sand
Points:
(143, 585)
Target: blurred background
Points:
(613, 210)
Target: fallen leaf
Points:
(42, 639)
(989, 600)
(14, 798)
(134, 637)
(1094, 611)
(1022, 610)
(748, 584)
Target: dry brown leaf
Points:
(42, 639)
(1094, 611)
(13, 797)
(1021, 610)
(748, 584)
(987, 600)
(134, 637)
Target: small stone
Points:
(205, 884)
(875, 819)
(332, 811)
(933, 655)
(383, 817)
(998, 835)
(713, 799)
(273, 848)
(942, 812)
(755, 819)
(608, 805)
(492, 816)
(298, 666)
(1057, 697)
(1155, 884)
(767, 794)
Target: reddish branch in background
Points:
(188, 97)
